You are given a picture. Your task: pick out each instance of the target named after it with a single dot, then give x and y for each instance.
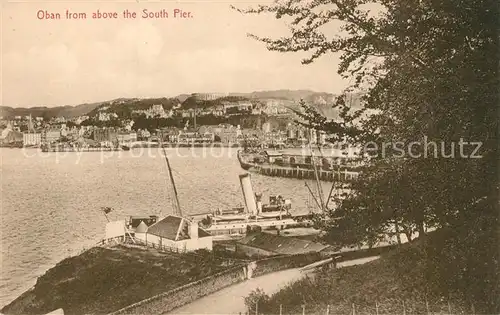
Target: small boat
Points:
(244, 164)
(125, 148)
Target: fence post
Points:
(257, 307)
(404, 308)
(303, 309)
(328, 309)
(473, 309)
(449, 307)
(281, 309)
(353, 309)
(376, 307)
(427, 306)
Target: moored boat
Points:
(224, 225)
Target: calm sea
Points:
(50, 202)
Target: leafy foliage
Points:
(257, 301)
(429, 75)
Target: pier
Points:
(301, 173)
(77, 149)
(343, 174)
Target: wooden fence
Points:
(387, 307)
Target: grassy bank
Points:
(102, 280)
(417, 278)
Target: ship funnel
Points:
(258, 197)
(248, 194)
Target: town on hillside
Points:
(200, 119)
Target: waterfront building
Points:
(133, 136)
(104, 135)
(195, 137)
(143, 134)
(227, 133)
(276, 138)
(51, 135)
(273, 156)
(168, 134)
(126, 137)
(179, 234)
(10, 136)
(123, 138)
(32, 139)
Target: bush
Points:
(257, 299)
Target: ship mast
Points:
(178, 210)
(318, 184)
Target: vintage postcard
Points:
(249, 157)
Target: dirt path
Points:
(231, 299)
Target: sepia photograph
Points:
(237, 157)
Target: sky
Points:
(50, 63)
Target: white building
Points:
(178, 233)
(30, 139)
(209, 96)
(106, 116)
(156, 110)
(51, 135)
(133, 136)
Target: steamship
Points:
(235, 223)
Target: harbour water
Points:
(50, 202)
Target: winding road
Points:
(231, 299)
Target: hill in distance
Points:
(320, 100)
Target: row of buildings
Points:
(225, 134)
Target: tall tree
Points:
(428, 70)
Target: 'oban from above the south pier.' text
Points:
(113, 15)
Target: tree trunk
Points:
(408, 235)
(398, 235)
(421, 229)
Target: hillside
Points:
(417, 278)
(320, 100)
(103, 280)
(124, 108)
(48, 112)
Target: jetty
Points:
(273, 165)
(78, 149)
